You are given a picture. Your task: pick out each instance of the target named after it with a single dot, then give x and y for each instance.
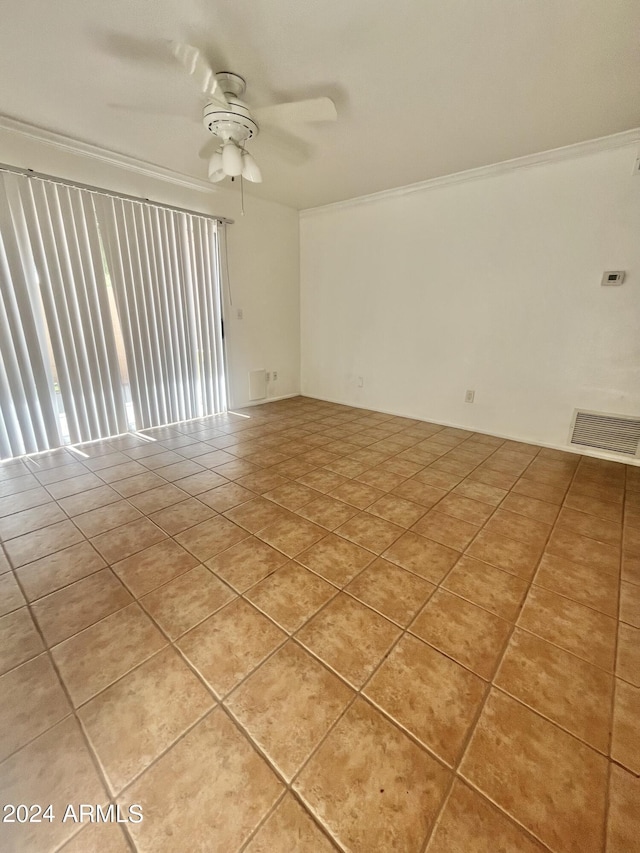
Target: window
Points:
(110, 315)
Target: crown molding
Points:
(554, 155)
(96, 152)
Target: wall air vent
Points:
(616, 433)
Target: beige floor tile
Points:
(67, 611)
(372, 786)
(441, 479)
(291, 534)
(19, 639)
(137, 484)
(567, 690)
(60, 569)
(420, 492)
(256, 514)
(392, 591)
(625, 743)
(356, 494)
(494, 589)
(631, 568)
(98, 838)
(40, 543)
(226, 497)
(328, 512)
(591, 526)
(397, 510)
(188, 599)
(181, 516)
(28, 520)
(289, 828)
(230, 644)
(246, 563)
(31, 701)
(96, 657)
(11, 597)
(422, 556)
(465, 509)
(351, 638)
(490, 477)
(291, 595)
(578, 629)
(467, 633)
(24, 500)
(159, 498)
(470, 824)
(580, 549)
(446, 529)
(291, 495)
(623, 826)
(519, 558)
(518, 527)
(210, 537)
(429, 695)
(631, 542)
(55, 769)
(336, 559)
(288, 722)
(584, 584)
(106, 518)
(539, 491)
(595, 507)
(628, 658)
(630, 604)
(530, 507)
(124, 541)
(134, 720)
(483, 492)
(203, 481)
(193, 789)
(322, 480)
(149, 569)
(551, 783)
(90, 500)
(261, 481)
(17, 485)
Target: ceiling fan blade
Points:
(196, 65)
(209, 148)
(297, 112)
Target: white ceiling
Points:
(423, 87)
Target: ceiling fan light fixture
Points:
(216, 171)
(231, 159)
(250, 169)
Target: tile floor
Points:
(306, 627)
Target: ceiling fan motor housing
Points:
(233, 123)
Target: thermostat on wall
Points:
(612, 277)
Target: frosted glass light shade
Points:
(250, 169)
(216, 172)
(232, 159)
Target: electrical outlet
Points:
(275, 375)
(468, 397)
(267, 376)
(239, 314)
(360, 381)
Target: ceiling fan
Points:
(233, 123)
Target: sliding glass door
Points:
(110, 315)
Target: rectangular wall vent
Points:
(617, 433)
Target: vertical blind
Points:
(110, 315)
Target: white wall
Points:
(490, 284)
(263, 258)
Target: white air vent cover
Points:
(617, 433)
